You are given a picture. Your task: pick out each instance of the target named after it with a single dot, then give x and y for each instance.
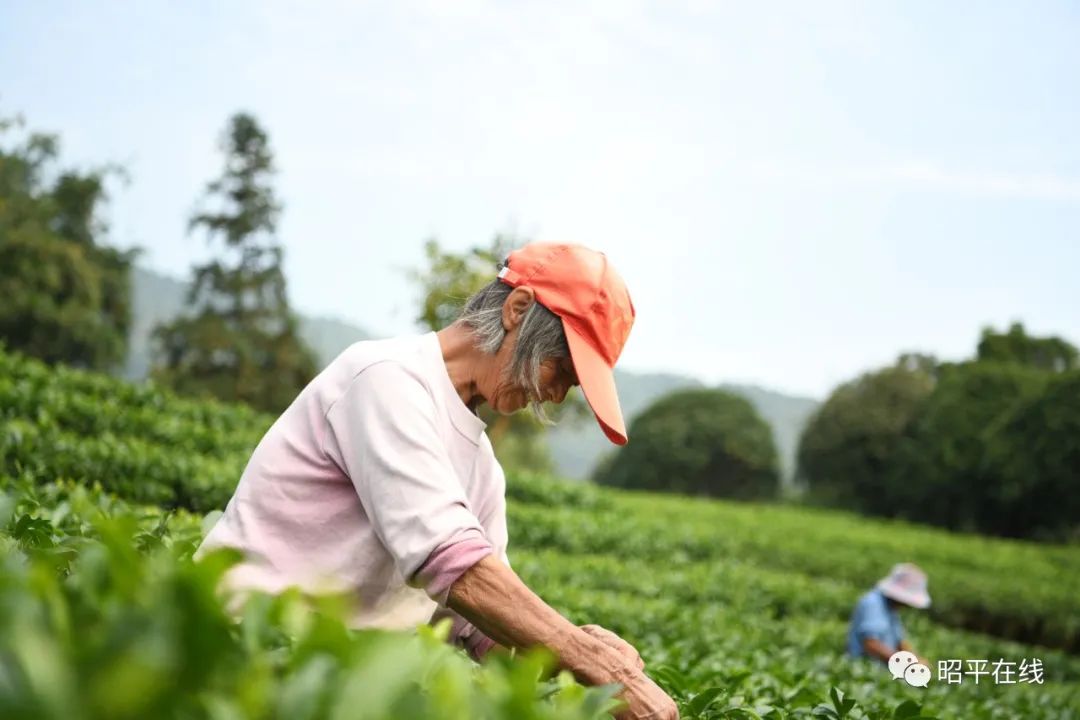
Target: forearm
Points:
(494, 599)
(877, 649)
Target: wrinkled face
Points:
(497, 384)
(557, 376)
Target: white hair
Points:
(540, 337)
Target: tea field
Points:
(739, 610)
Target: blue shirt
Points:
(873, 618)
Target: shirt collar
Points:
(465, 420)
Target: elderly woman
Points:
(380, 481)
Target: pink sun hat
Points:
(906, 583)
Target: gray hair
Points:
(540, 337)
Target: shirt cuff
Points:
(478, 644)
(465, 635)
(449, 562)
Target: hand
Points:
(616, 643)
(645, 700)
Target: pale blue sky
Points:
(794, 192)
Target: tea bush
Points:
(104, 615)
(739, 609)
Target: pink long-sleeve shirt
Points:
(377, 480)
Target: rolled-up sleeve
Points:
(493, 518)
(382, 432)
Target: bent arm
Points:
(877, 649)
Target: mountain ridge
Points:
(157, 298)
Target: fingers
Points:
(646, 701)
(616, 643)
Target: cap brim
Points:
(920, 601)
(598, 385)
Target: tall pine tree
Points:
(239, 342)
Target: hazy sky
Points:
(794, 192)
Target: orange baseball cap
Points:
(580, 286)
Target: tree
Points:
(697, 442)
(938, 475)
(1052, 354)
(449, 279)
(445, 282)
(1035, 457)
(850, 442)
(982, 445)
(66, 296)
(240, 343)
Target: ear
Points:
(517, 302)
